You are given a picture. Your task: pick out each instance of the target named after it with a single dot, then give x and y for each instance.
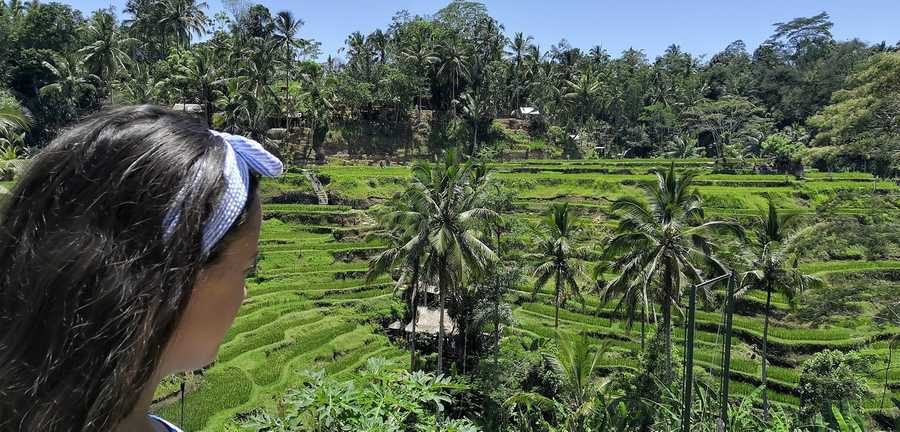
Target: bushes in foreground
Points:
(382, 398)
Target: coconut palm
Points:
(454, 63)
(444, 203)
(661, 246)
(318, 98)
(422, 55)
(181, 19)
(583, 92)
(70, 80)
(105, 54)
(519, 46)
(234, 105)
(408, 244)
(202, 76)
(773, 268)
(576, 362)
(286, 29)
(12, 118)
(683, 147)
(559, 259)
(475, 108)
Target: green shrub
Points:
(832, 378)
(382, 397)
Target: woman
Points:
(123, 253)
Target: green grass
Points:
(309, 307)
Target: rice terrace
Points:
(475, 233)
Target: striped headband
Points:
(241, 155)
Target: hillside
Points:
(309, 307)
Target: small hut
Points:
(192, 109)
(428, 322)
(525, 112)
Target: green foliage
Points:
(859, 121)
(832, 378)
(382, 397)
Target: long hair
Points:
(90, 292)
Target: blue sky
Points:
(698, 26)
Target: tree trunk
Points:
(765, 352)
(475, 138)
(497, 317)
(465, 341)
(556, 325)
(886, 370)
(415, 317)
(643, 322)
(667, 319)
(667, 337)
(442, 290)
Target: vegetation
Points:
(425, 83)
(657, 174)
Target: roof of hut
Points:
(429, 321)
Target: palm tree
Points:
(454, 63)
(408, 239)
(359, 54)
(519, 46)
(12, 118)
(71, 82)
(136, 87)
(576, 362)
(422, 55)
(105, 54)
(319, 104)
(774, 269)
(560, 260)
(286, 28)
(474, 108)
(181, 19)
(583, 92)
(234, 104)
(683, 147)
(659, 246)
(444, 203)
(379, 43)
(202, 75)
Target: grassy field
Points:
(309, 308)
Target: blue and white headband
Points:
(241, 155)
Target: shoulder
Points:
(169, 426)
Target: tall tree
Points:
(286, 29)
(422, 55)
(107, 50)
(584, 93)
(408, 236)
(662, 243)
(70, 81)
(774, 269)
(454, 64)
(181, 19)
(560, 260)
(445, 202)
(202, 76)
(577, 362)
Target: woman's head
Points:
(94, 299)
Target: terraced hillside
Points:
(308, 307)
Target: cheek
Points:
(209, 315)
